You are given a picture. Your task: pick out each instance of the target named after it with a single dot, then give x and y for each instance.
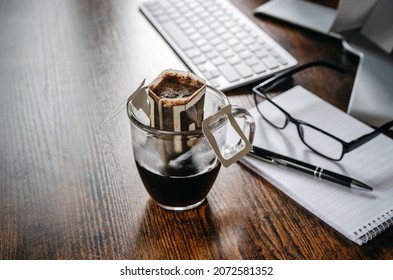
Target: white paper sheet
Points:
(357, 214)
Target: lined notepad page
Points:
(358, 215)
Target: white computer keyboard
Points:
(216, 41)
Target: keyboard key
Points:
(199, 59)
(214, 73)
(210, 35)
(190, 30)
(244, 70)
(207, 66)
(261, 53)
(193, 52)
(227, 53)
(252, 60)
(226, 36)
(185, 25)
(206, 48)
(179, 20)
(227, 49)
(216, 41)
(220, 30)
(174, 14)
(234, 60)
(270, 62)
(211, 74)
(248, 40)
(204, 30)
(151, 5)
(187, 14)
(218, 61)
(163, 18)
(282, 60)
(165, 3)
(212, 54)
(233, 42)
(241, 35)
(195, 36)
(207, 75)
(245, 54)
(177, 34)
(259, 68)
(197, 9)
(215, 25)
(236, 28)
(201, 42)
(274, 53)
(214, 82)
(221, 47)
(199, 25)
(268, 46)
(154, 8)
(254, 47)
(229, 72)
(239, 48)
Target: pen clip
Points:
(264, 158)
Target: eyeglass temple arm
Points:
(268, 84)
(272, 82)
(365, 138)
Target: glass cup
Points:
(178, 169)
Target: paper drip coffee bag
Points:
(176, 101)
(182, 125)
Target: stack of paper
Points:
(358, 215)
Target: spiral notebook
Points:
(358, 215)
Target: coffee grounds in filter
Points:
(177, 100)
(175, 86)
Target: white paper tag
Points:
(242, 149)
(139, 100)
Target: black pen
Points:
(308, 168)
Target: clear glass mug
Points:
(178, 169)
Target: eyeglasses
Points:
(318, 140)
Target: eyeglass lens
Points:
(320, 142)
(271, 113)
(315, 139)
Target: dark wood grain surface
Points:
(69, 187)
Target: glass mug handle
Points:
(242, 147)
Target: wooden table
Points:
(69, 187)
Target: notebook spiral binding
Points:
(375, 227)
